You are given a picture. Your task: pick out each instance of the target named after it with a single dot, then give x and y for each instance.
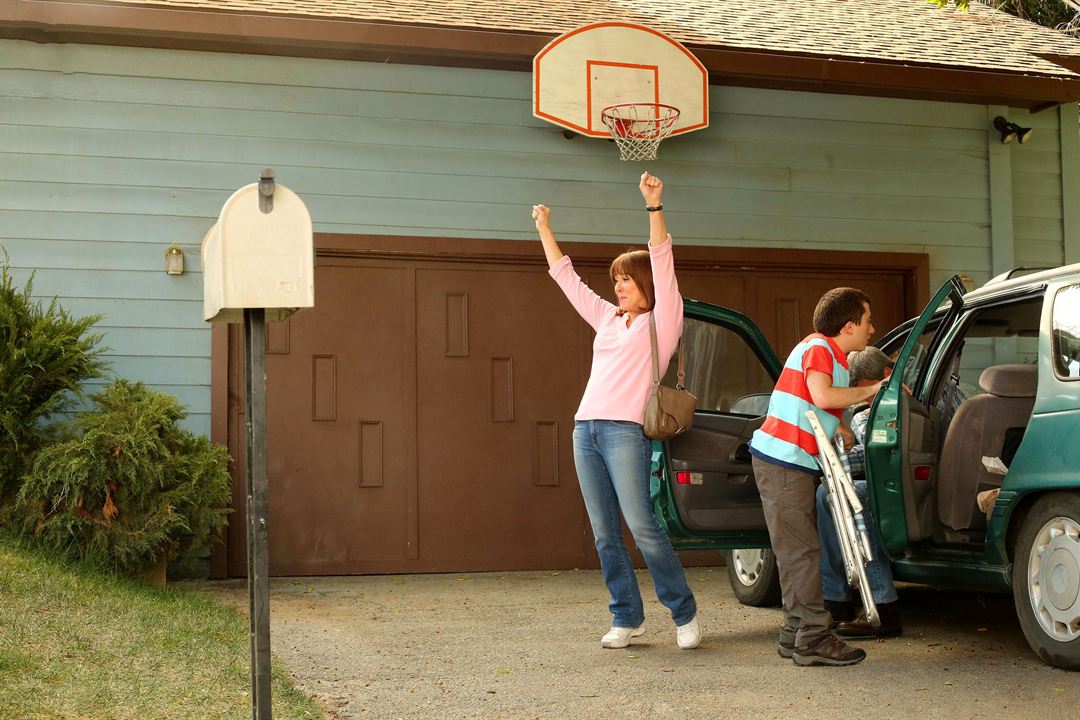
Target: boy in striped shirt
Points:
(815, 377)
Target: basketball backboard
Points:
(583, 71)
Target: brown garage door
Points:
(419, 417)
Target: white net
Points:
(638, 128)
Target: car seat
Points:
(979, 428)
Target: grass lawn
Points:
(76, 644)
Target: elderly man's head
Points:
(868, 366)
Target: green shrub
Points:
(45, 354)
(131, 488)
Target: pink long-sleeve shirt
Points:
(621, 375)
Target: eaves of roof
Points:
(1053, 79)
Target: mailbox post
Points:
(258, 509)
(258, 265)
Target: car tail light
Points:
(922, 472)
(682, 477)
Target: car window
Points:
(1004, 334)
(1066, 333)
(721, 367)
(920, 355)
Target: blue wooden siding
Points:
(108, 155)
(1036, 191)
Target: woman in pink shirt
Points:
(611, 452)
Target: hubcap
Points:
(748, 564)
(1054, 578)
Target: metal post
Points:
(257, 512)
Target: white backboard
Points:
(583, 71)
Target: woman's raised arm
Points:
(542, 215)
(652, 189)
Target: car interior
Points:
(976, 406)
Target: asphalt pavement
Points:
(527, 645)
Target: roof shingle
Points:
(896, 31)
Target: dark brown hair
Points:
(637, 265)
(837, 308)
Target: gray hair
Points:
(868, 364)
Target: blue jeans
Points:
(834, 584)
(612, 459)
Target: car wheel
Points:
(753, 576)
(1046, 579)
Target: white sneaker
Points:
(688, 636)
(619, 637)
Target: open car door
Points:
(702, 484)
(901, 444)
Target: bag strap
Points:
(680, 383)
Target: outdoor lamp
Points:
(174, 260)
(1011, 131)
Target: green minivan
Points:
(993, 374)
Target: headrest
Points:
(1010, 380)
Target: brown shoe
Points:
(841, 610)
(829, 650)
(860, 627)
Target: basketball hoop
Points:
(638, 128)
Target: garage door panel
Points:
(338, 424)
(785, 302)
(496, 482)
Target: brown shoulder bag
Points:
(670, 411)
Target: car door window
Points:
(1066, 333)
(913, 360)
(920, 354)
(721, 368)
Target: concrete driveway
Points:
(527, 645)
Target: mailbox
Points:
(259, 254)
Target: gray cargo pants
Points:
(787, 498)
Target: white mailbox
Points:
(257, 259)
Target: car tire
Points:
(753, 576)
(1046, 579)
